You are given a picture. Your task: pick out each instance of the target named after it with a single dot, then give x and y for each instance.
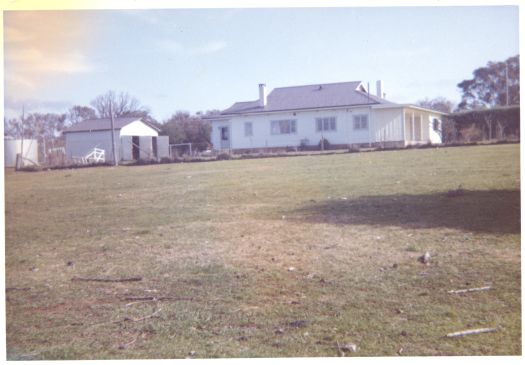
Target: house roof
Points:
(310, 97)
(104, 124)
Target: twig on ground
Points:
(15, 288)
(107, 280)
(128, 319)
(138, 300)
(142, 318)
(126, 345)
(461, 291)
(470, 332)
(339, 351)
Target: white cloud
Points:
(32, 60)
(15, 35)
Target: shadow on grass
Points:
(494, 211)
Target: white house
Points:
(344, 114)
(135, 139)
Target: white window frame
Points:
(360, 122)
(281, 125)
(326, 124)
(248, 129)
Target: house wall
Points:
(387, 125)
(428, 135)
(138, 128)
(383, 125)
(79, 144)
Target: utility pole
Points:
(507, 81)
(113, 142)
(22, 134)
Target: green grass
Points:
(226, 234)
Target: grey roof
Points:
(310, 97)
(103, 124)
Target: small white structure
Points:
(343, 113)
(135, 140)
(12, 147)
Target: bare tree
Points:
(123, 104)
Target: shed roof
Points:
(310, 97)
(104, 124)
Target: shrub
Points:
(224, 156)
(324, 144)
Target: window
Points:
(287, 126)
(248, 129)
(224, 133)
(435, 124)
(325, 124)
(361, 121)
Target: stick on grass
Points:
(461, 291)
(107, 280)
(470, 332)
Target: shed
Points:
(135, 139)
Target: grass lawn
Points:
(267, 257)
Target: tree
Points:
(497, 84)
(79, 113)
(440, 104)
(11, 127)
(185, 128)
(123, 105)
(449, 130)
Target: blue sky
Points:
(199, 59)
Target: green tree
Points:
(182, 127)
(497, 84)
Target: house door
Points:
(136, 149)
(155, 151)
(225, 137)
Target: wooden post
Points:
(113, 143)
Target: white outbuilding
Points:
(135, 140)
(27, 148)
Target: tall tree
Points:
(497, 84)
(123, 105)
(79, 113)
(185, 128)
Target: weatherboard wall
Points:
(79, 144)
(383, 125)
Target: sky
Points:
(202, 59)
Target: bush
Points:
(166, 160)
(326, 143)
(224, 156)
